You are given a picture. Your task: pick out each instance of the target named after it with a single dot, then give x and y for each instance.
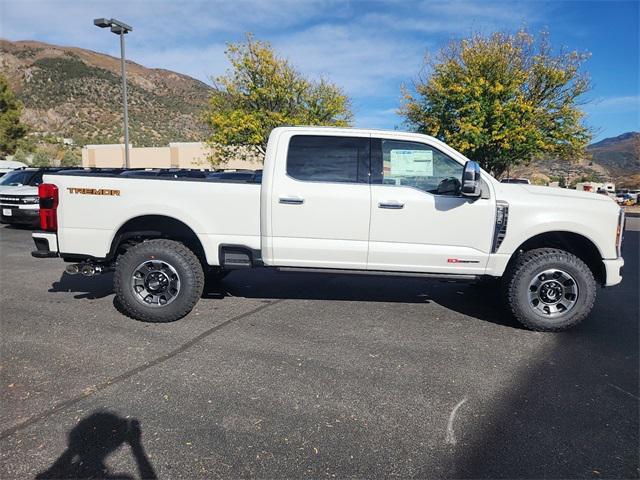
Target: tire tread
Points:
(132, 310)
(540, 256)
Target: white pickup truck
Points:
(333, 199)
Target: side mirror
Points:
(471, 183)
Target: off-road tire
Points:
(521, 272)
(185, 263)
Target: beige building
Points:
(176, 155)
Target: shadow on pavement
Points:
(90, 288)
(91, 441)
(474, 300)
(573, 410)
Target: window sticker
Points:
(412, 163)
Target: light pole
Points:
(121, 29)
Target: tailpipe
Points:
(86, 269)
(73, 269)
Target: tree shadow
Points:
(91, 441)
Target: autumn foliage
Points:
(502, 100)
(262, 91)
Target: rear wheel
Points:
(158, 281)
(548, 289)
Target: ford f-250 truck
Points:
(346, 200)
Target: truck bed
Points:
(92, 203)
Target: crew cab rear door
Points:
(419, 220)
(320, 200)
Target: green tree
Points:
(70, 158)
(41, 158)
(502, 100)
(262, 91)
(562, 183)
(11, 128)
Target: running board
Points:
(387, 273)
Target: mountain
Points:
(619, 155)
(614, 159)
(76, 93)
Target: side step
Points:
(386, 273)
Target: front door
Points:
(320, 203)
(419, 221)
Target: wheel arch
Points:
(146, 227)
(575, 243)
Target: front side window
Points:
(417, 165)
(318, 158)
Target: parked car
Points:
(19, 202)
(338, 200)
(634, 193)
(625, 199)
(7, 166)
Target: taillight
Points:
(48, 194)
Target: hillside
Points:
(76, 93)
(620, 155)
(612, 159)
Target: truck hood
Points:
(22, 190)
(565, 193)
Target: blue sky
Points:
(369, 48)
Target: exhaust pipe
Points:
(73, 269)
(88, 270)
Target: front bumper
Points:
(46, 244)
(613, 270)
(21, 216)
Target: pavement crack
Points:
(87, 392)
(623, 391)
(450, 438)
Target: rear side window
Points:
(328, 159)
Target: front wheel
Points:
(158, 281)
(549, 290)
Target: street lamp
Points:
(120, 28)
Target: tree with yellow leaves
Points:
(502, 100)
(262, 91)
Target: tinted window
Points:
(20, 177)
(328, 159)
(37, 178)
(416, 165)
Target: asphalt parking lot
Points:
(302, 375)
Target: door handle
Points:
(291, 200)
(391, 204)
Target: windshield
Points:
(18, 178)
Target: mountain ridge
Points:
(75, 92)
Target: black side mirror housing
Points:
(471, 182)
